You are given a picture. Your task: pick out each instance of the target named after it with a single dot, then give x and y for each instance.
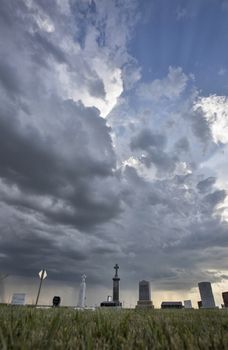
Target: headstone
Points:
(18, 299)
(144, 295)
(225, 298)
(171, 305)
(206, 295)
(187, 304)
(56, 301)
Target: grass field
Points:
(29, 328)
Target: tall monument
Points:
(82, 292)
(116, 280)
(115, 302)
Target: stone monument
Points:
(188, 304)
(116, 280)
(82, 292)
(144, 296)
(206, 294)
(115, 302)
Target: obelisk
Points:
(116, 281)
(82, 292)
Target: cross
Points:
(83, 278)
(116, 267)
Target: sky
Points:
(113, 147)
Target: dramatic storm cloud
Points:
(113, 143)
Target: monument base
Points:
(144, 304)
(111, 304)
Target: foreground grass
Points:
(28, 328)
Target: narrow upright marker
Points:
(42, 275)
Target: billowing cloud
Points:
(214, 110)
(205, 185)
(146, 139)
(170, 87)
(99, 165)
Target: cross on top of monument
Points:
(83, 278)
(116, 267)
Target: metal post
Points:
(41, 281)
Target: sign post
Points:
(42, 275)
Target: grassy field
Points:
(29, 328)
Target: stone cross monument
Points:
(116, 281)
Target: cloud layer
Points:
(98, 166)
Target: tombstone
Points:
(199, 304)
(187, 304)
(206, 295)
(56, 301)
(171, 305)
(18, 299)
(144, 295)
(225, 298)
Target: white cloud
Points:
(111, 78)
(215, 110)
(43, 21)
(170, 87)
(98, 65)
(181, 13)
(222, 71)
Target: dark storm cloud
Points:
(23, 156)
(163, 161)
(30, 251)
(43, 46)
(215, 198)
(49, 6)
(96, 87)
(64, 204)
(37, 166)
(31, 156)
(57, 163)
(170, 216)
(210, 235)
(182, 145)
(9, 79)
(146, 139)
(153, 144)
(12, 11)
(206, 185)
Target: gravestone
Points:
(144, 295)
(187, 304)
(56, 301)
(18, 299)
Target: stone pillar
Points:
(116, 280)
(115, 289)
